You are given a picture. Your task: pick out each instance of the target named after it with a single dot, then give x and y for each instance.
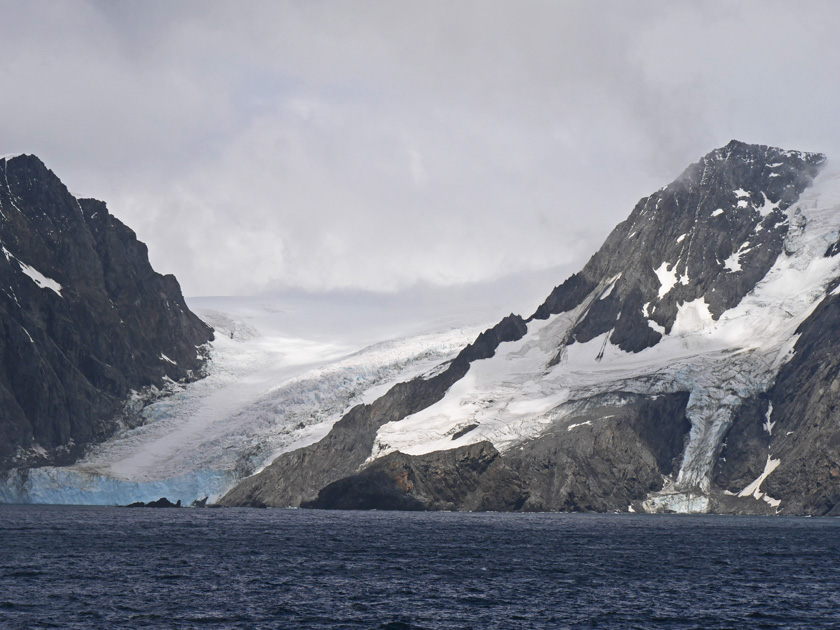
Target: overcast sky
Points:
(378, 145)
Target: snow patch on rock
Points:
(36, 276)
(754, 489)
(667, 276)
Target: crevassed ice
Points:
(264, 395)
(63, 486)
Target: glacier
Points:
(70, 486)
(280, 374)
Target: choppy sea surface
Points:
(99, 567)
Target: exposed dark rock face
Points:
(470, 478)
(745, 449)
(84, 319)
(613, 456)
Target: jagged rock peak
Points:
(85, 322)
(762, 153)
(710, 236)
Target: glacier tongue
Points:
(717, 390)
(266, 393)
(69, 486)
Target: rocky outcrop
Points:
(163, 502)
(569, 470)
(605, 459)
(85, 322)
(472, 478)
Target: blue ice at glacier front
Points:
(64, 486)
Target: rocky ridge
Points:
(88, 330)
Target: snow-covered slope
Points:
(265, 393)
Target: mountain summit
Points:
(88, 330)
(711, 234)
(688, 367)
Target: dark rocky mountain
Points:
(690, 366)
(87, 327)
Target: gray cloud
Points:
(377, 145)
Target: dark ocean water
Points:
(93, 567)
